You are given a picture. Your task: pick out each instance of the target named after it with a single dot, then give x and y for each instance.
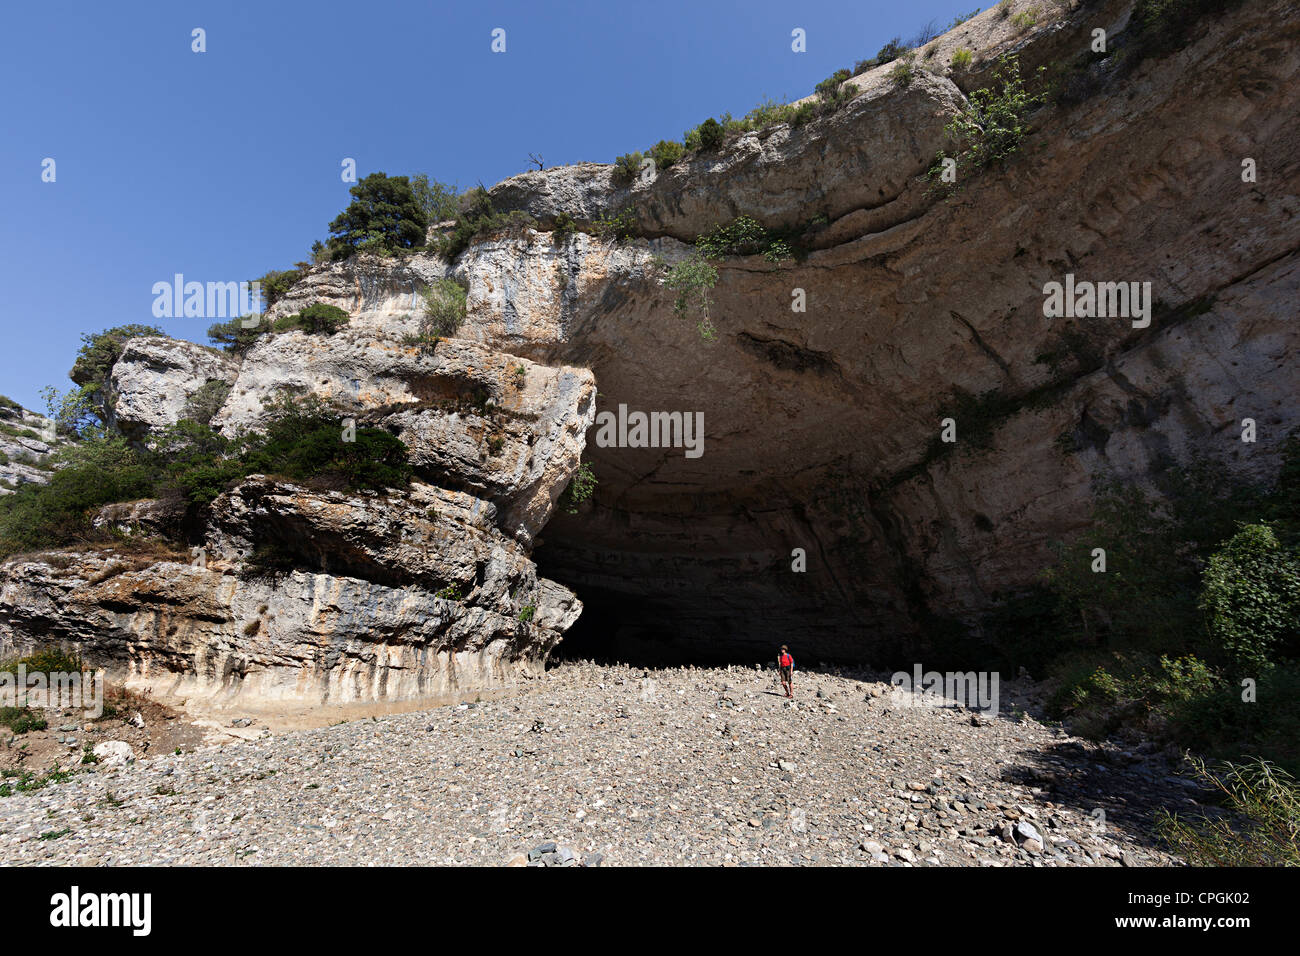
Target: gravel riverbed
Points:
(624, 766)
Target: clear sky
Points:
(223, 164)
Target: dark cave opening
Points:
(741, 620)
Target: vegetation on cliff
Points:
(192, 463)
(384, 218)
(1189, 630)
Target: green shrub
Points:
(1263, 825)
(961, 58)
(237, 337)
(1025, 19)
(563, 229)
(1223, 721)
(94, 472)
(665, 153)
(94, 365)
(958, 21)
(580, 488)
(828, 89)
(527, 613)
(992, 123)
(206, 401)
(743, 236)
(711, 134)
(444, 308)
(317, 319)
(628, 167)
(1251, 598)
(692, 279)
(384, 217)
(302, 441)
(49, 660)
(903, 71)
(478, 219)
(618, 226)
(21, 720)
(275, 285)
(890, 52)
(439, 201)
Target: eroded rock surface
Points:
(299, 597)
(155, 378)
(26, 439)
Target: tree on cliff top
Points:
(384, 217)
(91, 402)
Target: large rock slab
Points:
(155, 377)
(499, 426)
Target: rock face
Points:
(823, 397)
(155, 378)
(499, 426)
(302, 597)
(820, 425)
(290, 595)
(26, 438)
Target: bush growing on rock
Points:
(91, 371)
(478, 218)
(317, 319)
(832, 93)
(692, 279)
(888, 53)
(95, 472)
(303, 441)
(563, 229)
(239, 335)
(1190, 602)
(207, 401)
(579, 489)
(992, 123)
(710, 134)
(743, 236)
(627, 167)
(439, 201)
(384, 217)
(1251, 598)
(444, 310)
(277, 283)
(903, 71)
(665, 153)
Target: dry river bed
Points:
(622, 766)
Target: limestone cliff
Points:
(821, 426)
(27, 439)
(288, 595)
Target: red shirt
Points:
(787, 660)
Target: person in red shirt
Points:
(785, 664)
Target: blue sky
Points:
(224, 164)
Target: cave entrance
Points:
(646, 632)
